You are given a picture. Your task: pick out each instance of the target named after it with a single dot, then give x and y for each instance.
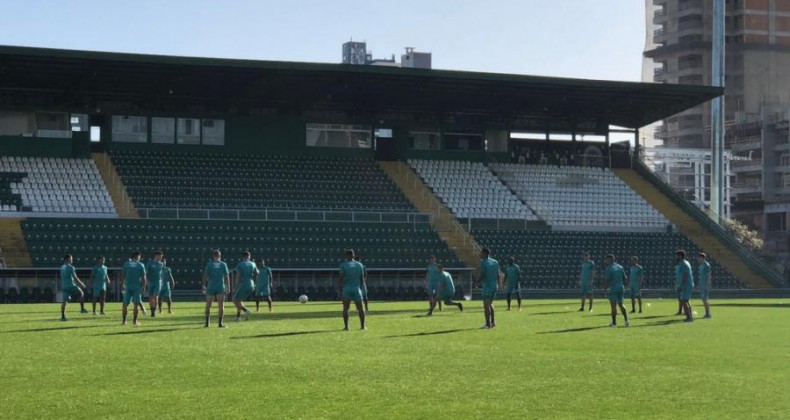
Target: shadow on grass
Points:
(554, 312)
(277, 316)
(144, 331)
(570, 330)
(284, 334)
(660, 323)
(427, 333)
(635, 316)
(752, 305)
(44, 329)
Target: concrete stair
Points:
(445, 223)
(12, 244)
(691, 228)
(120, 199)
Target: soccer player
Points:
(512, 285)
(614, 274)
(432, 281)
(447, 288)
(488, 275)
(216, 283)
(684, 283)
(154, 273)
(364, 288)
(635, 279)
(352, 275)
(70, 282)
(586, 279)
(703, 276)
(263, 285)
(168, 284)
(134, 281)
(100, 281)
(245, 275)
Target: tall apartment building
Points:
(757, 96)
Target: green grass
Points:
(548, 361)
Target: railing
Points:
(472, 224)
(682, 6)
(747, 255)
(115, 181)
(283, 215)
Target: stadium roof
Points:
(70, 76)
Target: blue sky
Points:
(596, 39)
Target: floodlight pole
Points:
(717, 114)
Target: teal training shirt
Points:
(433, 275)
(681, 268)
(166, 274)
(615, 275)
(703, 275)
(133, 273)
(588, 267)
(352, 272)
(99, 274)
(245, 270)
(216, 270)
(489, 269)
(67, 276)
(154, 271)
(635, 275)
(447, 283)
(264, 276)
(512, 273)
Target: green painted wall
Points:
(258, 135)
(76, 147)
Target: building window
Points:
(213, 132)
(163, 130)
(129, 129)
(188, 131)
(338, 135)
(425, 140)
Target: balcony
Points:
(658, 32)
(746, 188)
(690, 7)
(745, 166)
(744, 144)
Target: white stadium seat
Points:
(58, 185)
(579, 196)
(470, 190)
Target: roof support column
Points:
(717, 115)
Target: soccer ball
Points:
(303, 299)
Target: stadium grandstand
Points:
(107, 153)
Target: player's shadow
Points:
(144, 331)
(61, 328)
(753, 305)
(428, 333)
(570, 330)
(659, 323)
(554, 312)
(284, 334)
(279, 316)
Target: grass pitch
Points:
(548, 361)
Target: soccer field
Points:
(548, 361)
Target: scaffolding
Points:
(688, 171)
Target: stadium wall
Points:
(76, 147)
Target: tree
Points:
(744, 234)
